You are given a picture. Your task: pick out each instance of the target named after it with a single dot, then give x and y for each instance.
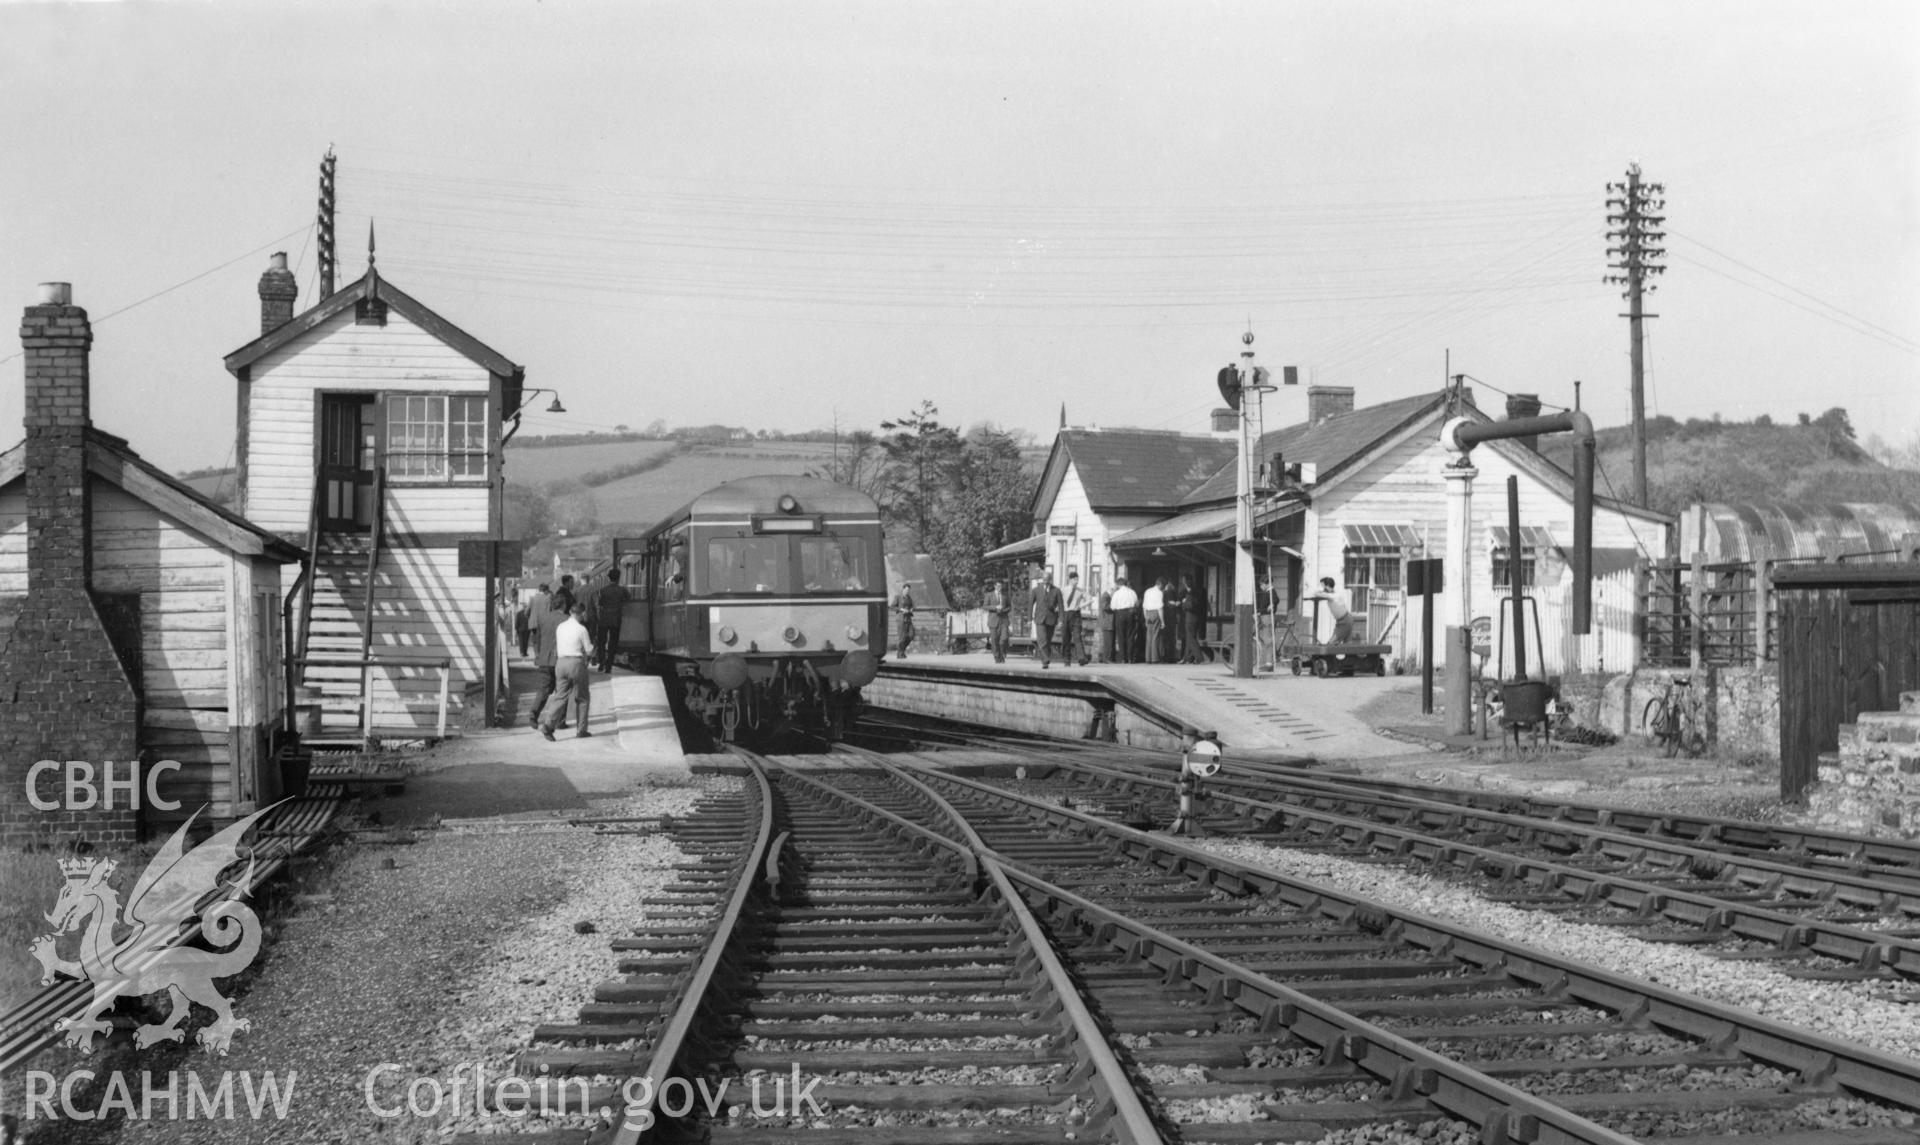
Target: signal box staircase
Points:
(375, 667)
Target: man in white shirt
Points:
(573, 651)
(1152, 602)
(1122, 604)
(1072, 627)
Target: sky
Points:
(792, 215)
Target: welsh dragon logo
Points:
(171, 893)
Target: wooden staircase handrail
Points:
(373, 564)
(294, 641)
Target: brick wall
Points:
(63, 692)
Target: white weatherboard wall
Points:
(422, 606)
(1405, 486)
(342, 357)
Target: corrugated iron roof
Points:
(1789, 529)
(1144, 468)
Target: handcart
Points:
(1305, 654)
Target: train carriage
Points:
(763, 603)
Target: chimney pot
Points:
(278, 290)
(56, 294)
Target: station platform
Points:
(1271, 715)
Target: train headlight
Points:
(790, 634)
(727, 635)
(788, 504)
(859, 668)
(728, 670)
(856, 633)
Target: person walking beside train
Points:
(1072, 603)
(545, 626)
(998, 607)
(609, 601)
(530, 610)
(1046, 616)
(1122, 604)
(573, 647)
(1153, 603)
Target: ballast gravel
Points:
(422, 965)
(1860, 1012)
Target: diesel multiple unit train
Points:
(763, 604)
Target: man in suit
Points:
(1105, 620)
(609, 601)
(1047, 606)
(545, 639)
(998, 607)
(1193, 612)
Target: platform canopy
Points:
(1202, 527)
(1031, 549)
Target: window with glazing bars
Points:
(437, 437)
(1370, 567)
(1527, 562)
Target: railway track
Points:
(280, 837)
(1813, 921)
(877, 941)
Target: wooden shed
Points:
(97, 542)
(1849, 643)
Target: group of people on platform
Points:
(1113, 626)
(568, 630)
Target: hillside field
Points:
(541, 465)
(644, 498)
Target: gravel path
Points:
(432, 957)
(1860, 1012)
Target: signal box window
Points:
(744, 564)
(437, 437)
(833, 564)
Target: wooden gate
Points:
(1849, 643)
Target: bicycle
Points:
(1674, 720)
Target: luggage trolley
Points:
(1307, 654)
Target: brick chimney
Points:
(278, 290)
(1226, 423)
(1525, 405)
(1324, 402)
(64, 693)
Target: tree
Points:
(921, 454)
(857, 461)
(985, 506)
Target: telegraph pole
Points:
(1636, 233)
(325, 222)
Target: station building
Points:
(1375, 500)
